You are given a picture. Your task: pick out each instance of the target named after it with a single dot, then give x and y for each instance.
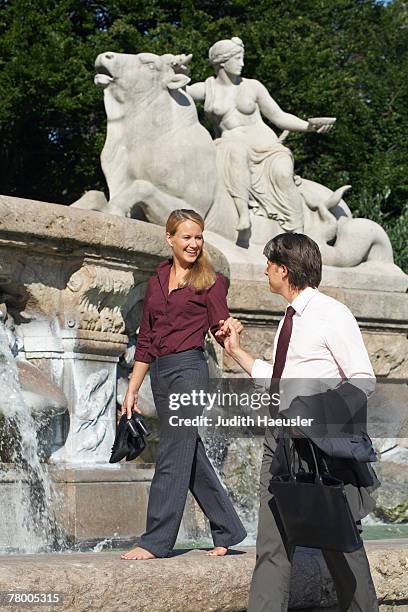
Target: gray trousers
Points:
(269, 590)
(182, 463)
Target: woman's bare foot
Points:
(138, 553)
(218, 551)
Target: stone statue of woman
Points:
(255, 168)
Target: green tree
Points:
(343, 58)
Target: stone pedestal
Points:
(105, 503)
(83, 365)
(70, 283)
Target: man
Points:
(318, 339)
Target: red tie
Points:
(282, 349)
(283, 343)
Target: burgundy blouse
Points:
(178, 321)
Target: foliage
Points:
(343, 58)
(397, 514)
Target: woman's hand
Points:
(130, 403)
(229, 332)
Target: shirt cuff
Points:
(261, 369)
(143, 356)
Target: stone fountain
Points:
(72, 281)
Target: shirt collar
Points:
(301, 301)
(163, 273)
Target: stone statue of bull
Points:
(157, 156)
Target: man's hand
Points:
(130, 404)
(224, 326)
(232, 341)
(229, 333)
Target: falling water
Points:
(28, 522)
(237, 463)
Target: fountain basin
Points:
(190, 580)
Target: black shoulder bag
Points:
(313, 506)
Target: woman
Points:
(183, 300)
(255, 168)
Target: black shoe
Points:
(138, 422)
(137, 447)
(121, 446)
(129, 440)
(137, 429)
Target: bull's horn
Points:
(181, 60)
(179, 63)
(336, 196)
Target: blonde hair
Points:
(201, 274)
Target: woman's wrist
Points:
(133, 389)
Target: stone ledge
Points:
(248, 296)
(189, 580)
(64, 230)
(117, 472)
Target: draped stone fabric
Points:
(248, 172)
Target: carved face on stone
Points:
(234, 64)
(227, 54)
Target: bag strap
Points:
(318, 475)
(293, 452)
(318, 459)
(285, 437)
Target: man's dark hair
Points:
(300, 254)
